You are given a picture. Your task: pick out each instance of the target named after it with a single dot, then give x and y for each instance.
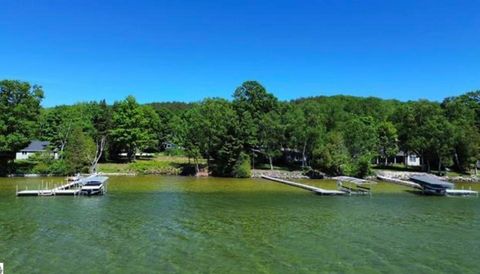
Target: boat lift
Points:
(354, 186)
(431, 185)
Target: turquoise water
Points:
(212, 225)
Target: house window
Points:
(413, 158)
(24, 153)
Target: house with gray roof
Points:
(34, 147)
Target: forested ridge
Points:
(333, 134)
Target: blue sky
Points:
(189, 50)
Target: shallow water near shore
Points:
(149, 224)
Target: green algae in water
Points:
(185, 224)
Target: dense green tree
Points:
(332, 156)
(79, 151)
(211, 132)
(336, 134)
(293, 119)
(150, 124)
(175, 108)
(242, 166)
(229, 158)
(19, 111)
(360, 136)
(387, 140)
(270, 136)
(165, 130)
(252, 102)
(58, 123)
(252, 97)
(424, 129)
(463, 113)
(194, 138)
(134, 127)
(314, 130)
(102, 124)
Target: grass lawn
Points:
(159, 164)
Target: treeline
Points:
(336, 135)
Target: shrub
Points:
(22, 167)
(58, 167)
(41, 168)
(174, 152)
(242, 167)
(359, 167)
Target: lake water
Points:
(182, 224)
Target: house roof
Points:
(36, 145)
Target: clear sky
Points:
(187, 50)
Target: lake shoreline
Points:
(282, 174)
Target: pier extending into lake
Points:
(74, 188)
(317, 190)
(344, 190)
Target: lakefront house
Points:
(35, 147)
(406, 158)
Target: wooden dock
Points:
(72, 188)
(317, 190)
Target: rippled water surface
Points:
(180, 224)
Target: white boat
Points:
(93, 185)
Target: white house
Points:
(34, 147)
(410, 159)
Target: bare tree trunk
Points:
(131, 155)
(271, 164)
(439, 163)
(303, 153)
(98, 154)
(63, 142)
(208, 153)
(197, 168)
(253, 160)
(457, 161)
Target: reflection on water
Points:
(179, 224)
